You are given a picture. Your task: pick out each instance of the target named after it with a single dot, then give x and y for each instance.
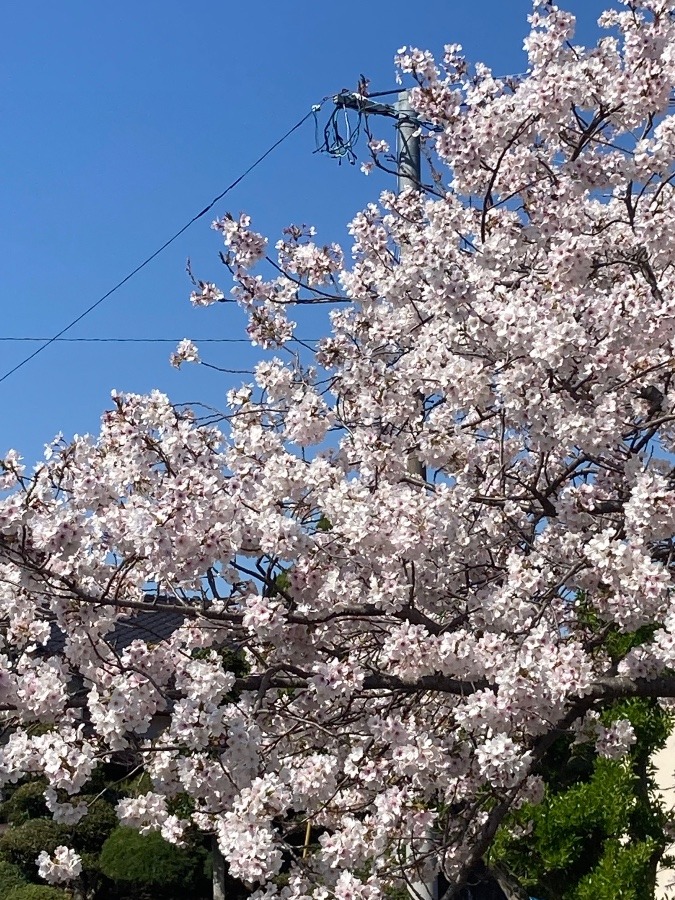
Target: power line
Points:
(131, 340)
(163, 247)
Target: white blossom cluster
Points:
(65, 865)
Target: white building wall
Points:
(664, 761)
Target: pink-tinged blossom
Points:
(246, 246)
(615, 741)
(63, 866)
(146, 812)
(207, 294)
(186, 351)
(64, 813)
(378, 146)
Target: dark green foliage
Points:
(234, 661)
(576, 839)
(599, 833)
(91, 831)
(107, 779)
(37, 892)
(26, 802)
(22, 844)
(622, 872)
(10, 877)
(148, 861)
(618, 643)
(282, 584)
(171, 872)
(181, 805)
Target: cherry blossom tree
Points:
(412, 646)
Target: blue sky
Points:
(123, 120)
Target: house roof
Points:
(154, 625)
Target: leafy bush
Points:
(10, 877)
(148, 860)
(622, 868)
(27, 802)
(21, 844)
(90, 832)
(599, 832)
(37, 892)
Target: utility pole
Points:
(408, 174)
(408, 157)
(218, 878)
(408, 171)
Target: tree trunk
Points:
(218, 870)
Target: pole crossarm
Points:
(363, 104)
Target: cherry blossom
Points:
(63, 866)
(395, 562)
(186, 351)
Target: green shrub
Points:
(27, 802)
(21, 844)
(599, 832)
(93, 830)
(37, 892)
(10, 877)
(147, 860)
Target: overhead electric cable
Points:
(163, 247)
(131, 340)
